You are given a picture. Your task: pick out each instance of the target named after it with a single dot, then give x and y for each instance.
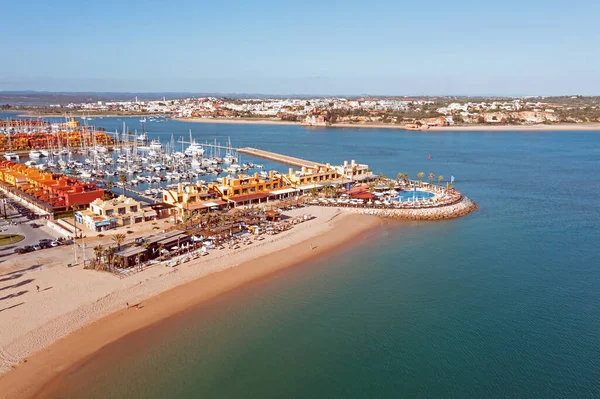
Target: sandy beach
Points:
(482, 128)
(238, 121)
(78, 311)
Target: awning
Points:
(215, 203)
(250, 197)
(283, 191)
(364, 195)
(309, 186)
(150, 214)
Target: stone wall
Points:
(460, 208)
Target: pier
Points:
(137, 192)
(273, 156)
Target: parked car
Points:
(45, 243)
(24, 250)
(37, 247)
(54, 244)
(35, 225)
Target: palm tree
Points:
(431, 176)
(314, 191)
(371, 187)
(420, 176)
(118, 239)
(187, 218)
(98, 251)
(440, 178)
(123, 179)
(391, 185)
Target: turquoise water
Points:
(502, 303)
(409, 195)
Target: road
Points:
(22, 227)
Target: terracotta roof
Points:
(364, 195)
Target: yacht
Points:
(34, 154)
(157, 146)
(194, 149)
(11, 156)
(229, 159)
(44, 153)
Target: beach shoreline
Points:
(59, 354)
(475, 128)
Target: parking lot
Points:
(21, 220)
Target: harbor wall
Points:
(457, 209)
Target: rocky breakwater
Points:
(461, 207)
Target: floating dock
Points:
(273, 156)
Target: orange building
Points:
(54, 190)
(245, 189)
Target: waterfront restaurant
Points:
(171, 241)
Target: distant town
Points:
(406, 112)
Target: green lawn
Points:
(6, 239)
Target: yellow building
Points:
(355, 171)
(249, 189)
(14, 178)
(120, 211)
(318, 174)
(192, 197)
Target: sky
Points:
(349, 47)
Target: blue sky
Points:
(311, 47)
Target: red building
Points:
(68, 192)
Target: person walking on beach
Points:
(38, 288)
(127, 306)
(137, 306)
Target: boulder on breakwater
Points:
(460, 208)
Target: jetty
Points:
(138, 193)
(273, 156)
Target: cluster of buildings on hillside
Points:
(55, 193)
(212, 107)
(514, 111)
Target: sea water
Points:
(504, 302)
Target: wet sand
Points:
(40, 373)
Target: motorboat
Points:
(11, 156)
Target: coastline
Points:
(32, 114)
(238, 121)
(587, 126)
(477, 128)
(64, 351)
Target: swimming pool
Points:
(409, 195)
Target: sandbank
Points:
(77, 311)
(238, 121)
(374, 125)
